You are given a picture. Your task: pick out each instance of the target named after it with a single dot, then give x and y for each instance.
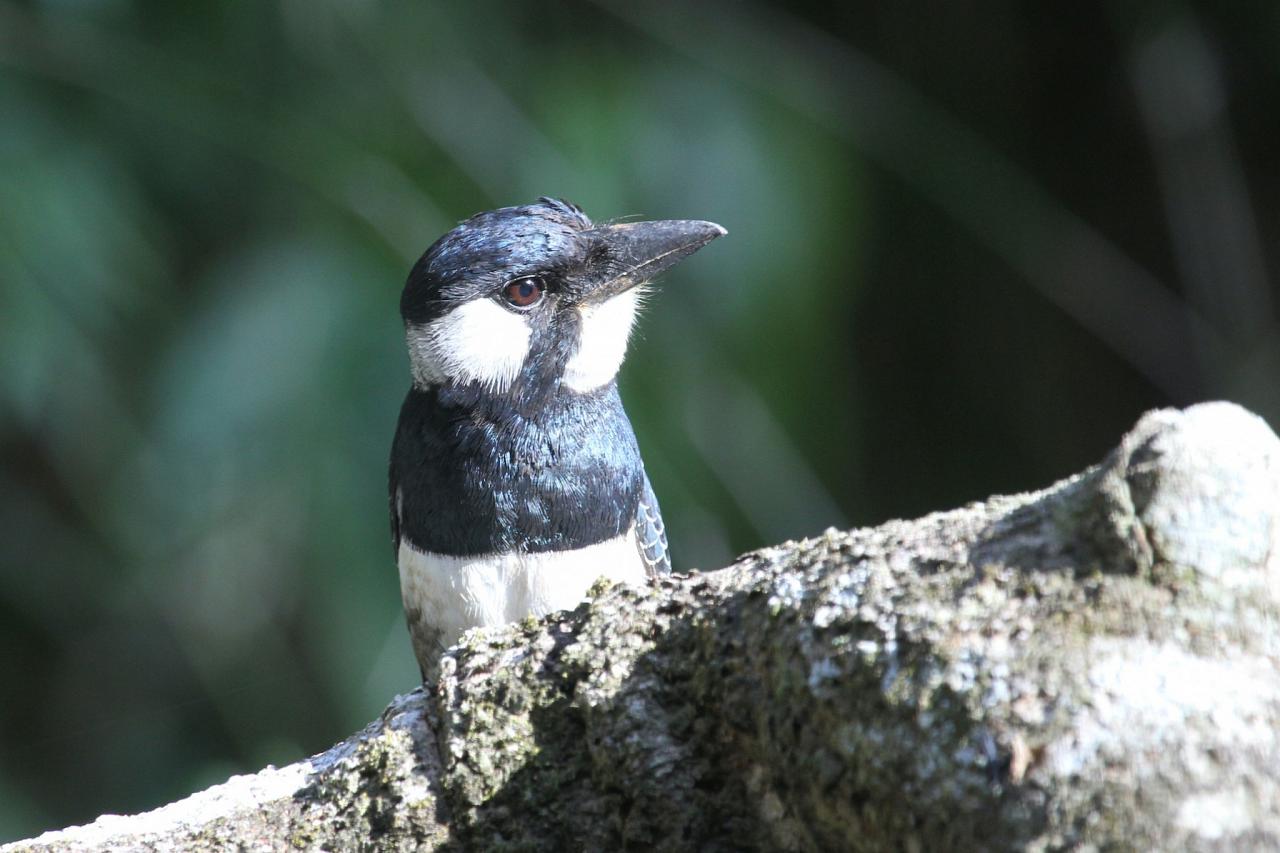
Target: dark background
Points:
(969, 244)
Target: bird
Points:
(515, 478)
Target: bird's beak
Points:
(631, 253)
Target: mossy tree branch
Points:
(1095, 663)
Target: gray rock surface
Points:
(1096, 665)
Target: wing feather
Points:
(651, 533)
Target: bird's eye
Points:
(524, 292)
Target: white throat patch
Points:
(602, 342)
(479, 341)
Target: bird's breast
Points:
(565, 480)
(445, 595)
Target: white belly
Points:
(444, 596)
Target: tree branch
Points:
(1097, 663)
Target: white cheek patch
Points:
(602, 342)
(479, 341)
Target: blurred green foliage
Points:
(968, 246)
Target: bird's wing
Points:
(393, 503)
(651, 534)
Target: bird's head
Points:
(533, 299)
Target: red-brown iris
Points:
(524, 292)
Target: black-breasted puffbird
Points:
(516, 481)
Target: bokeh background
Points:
(969, 244)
